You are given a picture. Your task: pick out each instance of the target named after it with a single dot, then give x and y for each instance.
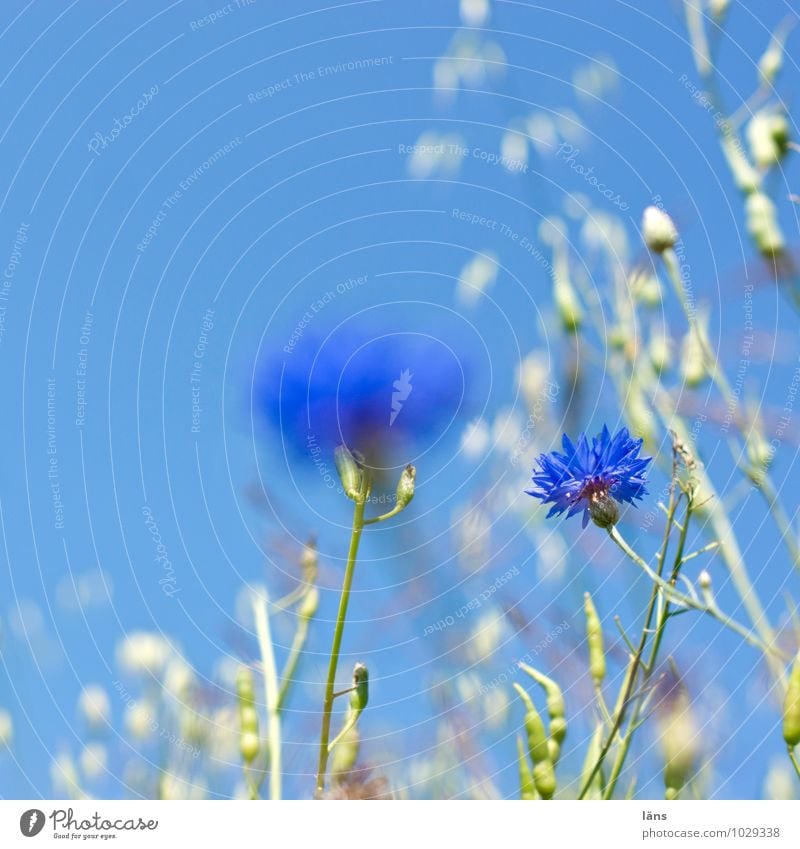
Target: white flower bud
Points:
(6, 729)
(658, 230)
(95, 707)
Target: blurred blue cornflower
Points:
(373, 392)
(592, 478)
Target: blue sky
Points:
(180, 182)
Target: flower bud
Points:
(646, 288)
(693, 360)
(405, 486)
(762, 225)
(704, 579)
(659, 352)
(791, 707)
(718, 9)
(771, 63)
(594, 637)
(658, 230)
(308, 607)
(768, 137)
(6, 729)
(349, 472)
(603, 510)
(360, 695)
(95, 707)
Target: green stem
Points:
(355, 539)
(793, 759)
(271, 692)
(636, 658)
(291, 662)
(663, 616)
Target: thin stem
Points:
(261, 614)
(663, 617)
(793, 759)
(291, 662)
(355, 539)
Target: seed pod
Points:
(555, 699)
(594, 637)
(360, 695)
(345, 754)
(544, 777)
(248, 718)
(659, 352)
(564, 294)
(309, 561)
(405, 486)
(555, 710)
(248, 746)
(309, 605)
(526, 786)
(349, 472)
(791, 707)
(693, 361)
(762, 225)
(245, 688)
(679, 743)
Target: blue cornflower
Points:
(592, 478)
(375, 392)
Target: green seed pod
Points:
(679, 737)
(693, 360)
(762, 225)
(791, 707)
(555, 701)
(345, 755)
(248, 746)
(360, 695)
(245, 688)
(309, 561)
(555, 710)
(527, 790)
(308, 607)
(566, 299)
(659, 352)
(405, 486)
(349, 472)
(594, 637)
(544, 777)
(248, 718)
